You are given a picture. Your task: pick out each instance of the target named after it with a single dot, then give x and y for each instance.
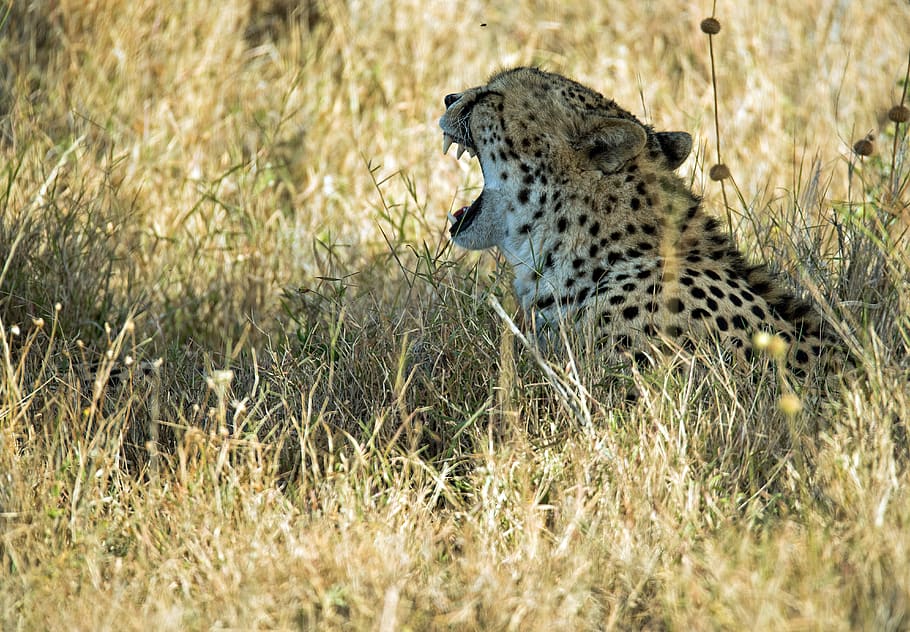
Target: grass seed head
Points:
(710, 26)
(899, 114)
(778, 347)
(790, 404)
(864, 147)
(761, 340)
(719, 172)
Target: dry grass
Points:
(245, 383)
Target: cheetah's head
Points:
(537, 135)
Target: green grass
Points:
(245, 382)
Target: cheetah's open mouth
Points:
(461, 218)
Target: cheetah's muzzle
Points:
(460, 135)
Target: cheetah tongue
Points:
(463, 217)
(457, 215)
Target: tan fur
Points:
(583, 201)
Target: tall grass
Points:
(245, 382)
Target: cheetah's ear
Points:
(608, 142)
(676, 147)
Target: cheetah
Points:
(583, 201)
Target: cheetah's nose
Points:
(451, 98)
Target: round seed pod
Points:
(863, 147)
(899, 114)
(761, 340)
(710, 26)
(778, 347)
(719, 172)
(790, 404)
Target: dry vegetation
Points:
(245, 383)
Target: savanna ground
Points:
(246, 383)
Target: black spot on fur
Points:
(523, 196)
(718, 240)
(630, 313)
(640, 358)
(675, 305)
(761, 287)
